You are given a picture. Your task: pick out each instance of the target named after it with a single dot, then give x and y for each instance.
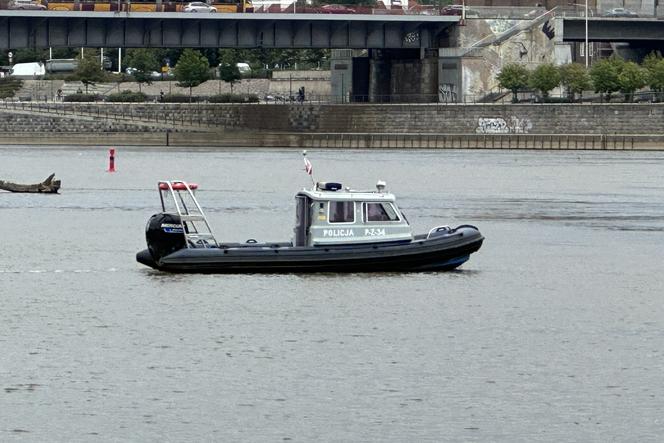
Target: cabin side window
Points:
(378, 212)
(341, 212)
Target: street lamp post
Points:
(586, 42)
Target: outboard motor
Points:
(164, 234)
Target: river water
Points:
(553, 331)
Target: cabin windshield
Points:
(341, 212)
(377, 212)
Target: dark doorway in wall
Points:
(360, 91)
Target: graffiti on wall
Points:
(500, 25)
(498, 125)
(446, 93)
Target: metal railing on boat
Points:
(195, 226)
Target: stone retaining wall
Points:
(425, 118)
(610, 126)
(27, 123)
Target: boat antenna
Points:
(308, 168)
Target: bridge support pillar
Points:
(449, 79)
(402, 76)
(379, 78)
(341, 75)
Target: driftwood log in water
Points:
(48, 186)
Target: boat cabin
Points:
(332, 215)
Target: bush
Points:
(179, 98)
(9, 86)
(557, 100)
(82, 98)
(234, 98)
(252, 98)
(258, 73)
(127, 97)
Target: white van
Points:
(28, 70)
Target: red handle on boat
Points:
(179, 186)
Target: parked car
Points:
(198, 7)
(620, 12)
(336, 9)
(26, 4)
(244, 68)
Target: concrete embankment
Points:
(366, 126)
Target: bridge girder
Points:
(603, 29)
(43, 29)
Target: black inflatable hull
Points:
(440, 253)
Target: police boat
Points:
(336, 229)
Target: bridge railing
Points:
(573, 10)
(576, 11)
(489, 12)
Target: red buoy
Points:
(111, 160)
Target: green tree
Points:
(29, 55)
(654, 67)
(631, 78)
(544, 78)
(574, 77)
(170, 56)
(89, 71)
(650, 60)
(229, 73)
(262, 57)
(604, 75)
(513, 77)
(144, 61)
(64, 53)
(229, 55)
(191, 70)
(656, 78)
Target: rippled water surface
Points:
(553, 331)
